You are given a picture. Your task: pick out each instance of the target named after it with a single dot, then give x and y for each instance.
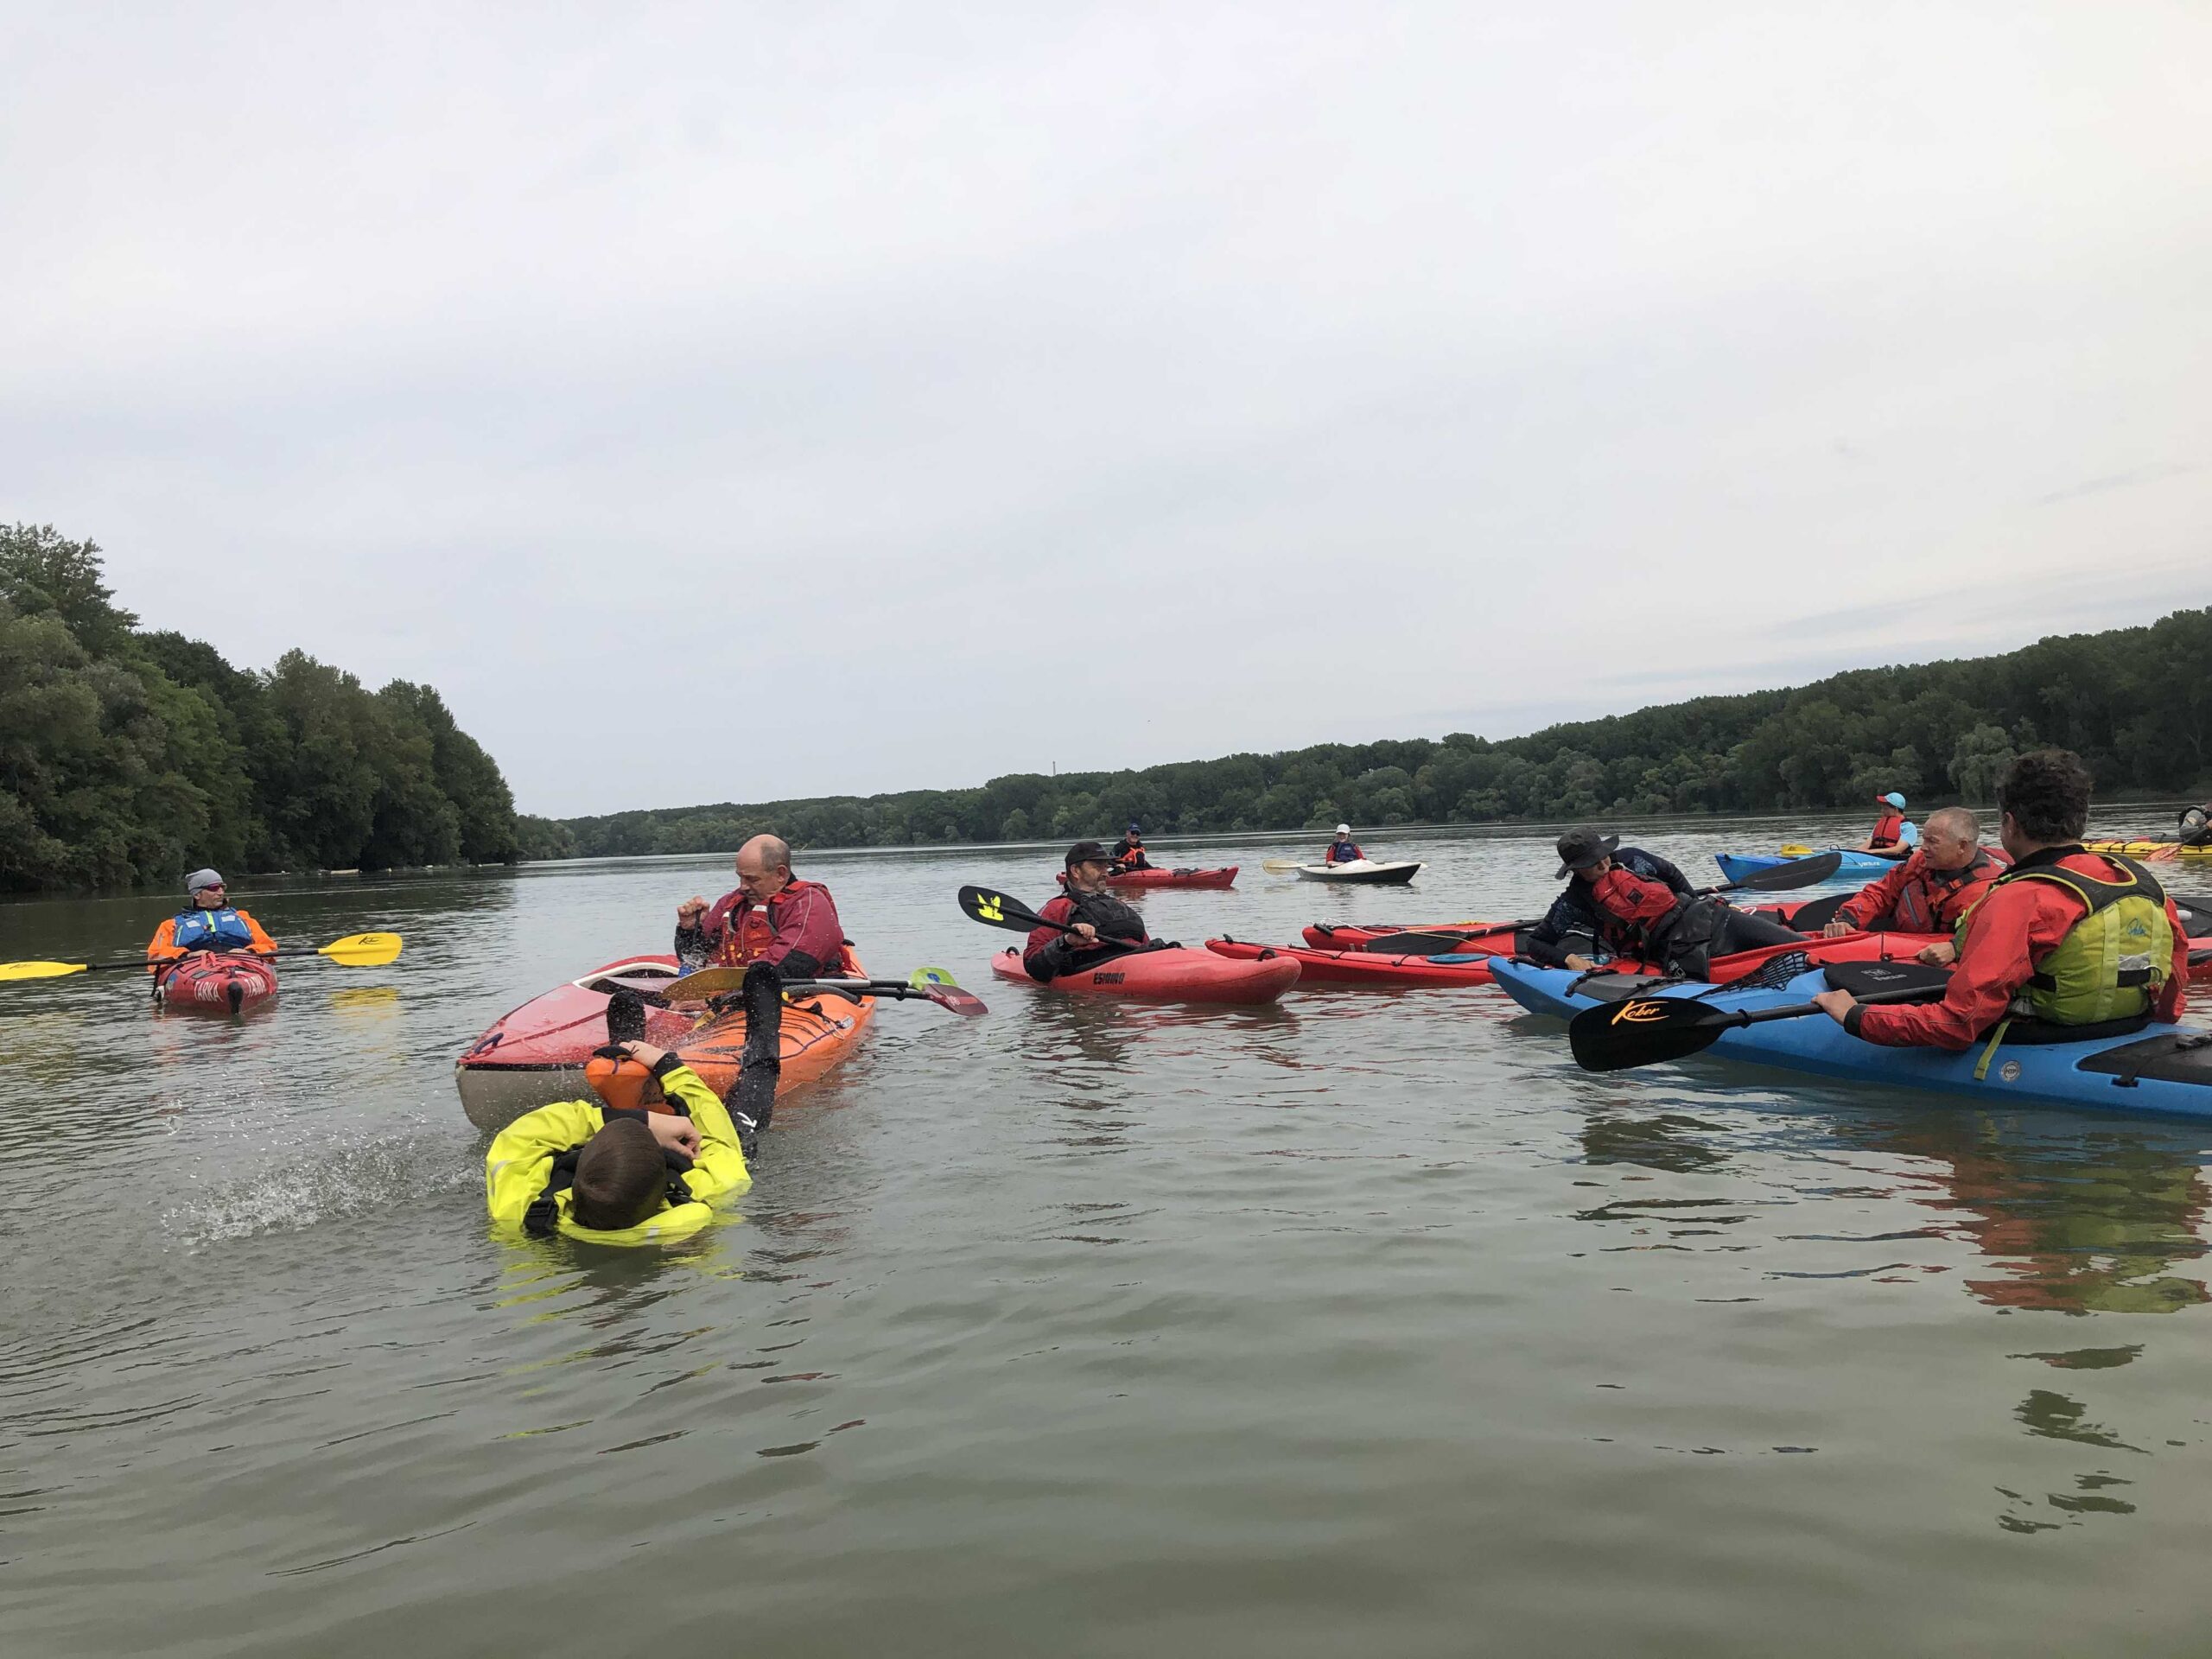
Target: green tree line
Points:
(129, 757)
(2136, 703)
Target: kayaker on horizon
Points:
(2083, 944)
(1129, 851)
(617, 1170)
(1572, 928)
(1892, 830)
(212, 923)
(772, 916)
(1343, 849)
(1646, 918)
(1944, 878)
(1102, 926)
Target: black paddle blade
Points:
(1811, 919)
(993, 909)
(1798, 872)
(1643, 1031)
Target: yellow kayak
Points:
(2159, 851)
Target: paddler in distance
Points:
(1100, 926)
(1644, 917)
(1343, 849)
(2079, 944)
(212, 923)
(1892, 830)
(772, 916)
(1946, 877)
(643, 1164)
(1129, 851)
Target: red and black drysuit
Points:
(1917, 898)
(1574, 922)
(1050, 953)
(797, 932)
(1650, 921)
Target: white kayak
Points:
(1361, 870)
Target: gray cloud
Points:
(740, 401)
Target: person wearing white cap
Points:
(212, 923)
(1343, 849)
(1892, 835)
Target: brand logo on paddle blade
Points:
(988, 908)
(1638, 1013)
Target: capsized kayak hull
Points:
(535, 1054)
(2092, 1075)
(1175, 974)
(1855, 867)
(1360, 873)
(216, 982)
(1223, 877)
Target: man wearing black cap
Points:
(1573, 928)
(1103, 926)
(1651, 917)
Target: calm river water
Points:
(1361, 1325)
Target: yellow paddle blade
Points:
(40, 969)
(702, 983)
(1278, 865)
(362, 950)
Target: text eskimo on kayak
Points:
(1947, 876)
(1099, 926)
(772, 916)
(2065, 945)
(211, 924)
(1655, 917)
(1343, 849)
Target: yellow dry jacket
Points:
(520, 1170)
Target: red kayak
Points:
(1171, 973)
(214, 981)
(1360, 967)
(1156, 877)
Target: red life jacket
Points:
(1932, 901)
(749, 929)
(1633, 905)
(1887, 828)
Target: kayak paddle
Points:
(1278, 866)
(1644, 1030)
(355, 950)
(928, 984)
(1810, 918)
(996, 910)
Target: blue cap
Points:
(1133, 826)
(1893, 798)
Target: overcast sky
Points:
(742, 401)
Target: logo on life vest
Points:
(1639, 1014)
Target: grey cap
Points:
(200, 880)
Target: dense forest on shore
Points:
(129, 757)
(2136, 703)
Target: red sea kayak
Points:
(1170, 975)
(1360, 967)
(210, 982)
(1157, 877)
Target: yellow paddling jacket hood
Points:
(520, 1174)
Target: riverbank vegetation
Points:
(2135, 702)
(128, 757)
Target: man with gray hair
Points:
(1949, 871)
(772, 916)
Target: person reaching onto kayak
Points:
(1102, 926)
(2081, 943)
(212, 923)
(1129, 851)
(1572, 928)
(1892, 831)
(1343, 849)
(1944, 878)
(2195, 827)
(644, 1163)
(772, 916)
(1651, 920)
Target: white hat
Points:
(1344, 829)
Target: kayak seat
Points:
(2170, 1056)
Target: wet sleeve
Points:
(523, 1154)
(719, 1170)
(1875, 900)
(809, 936)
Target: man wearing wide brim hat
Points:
(1572, 929)
(1650, 919)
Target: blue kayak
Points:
(2161, 1071)
(1856, 866)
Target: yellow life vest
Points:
(2111, 964)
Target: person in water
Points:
(1343, 849)
(1102, 926)
(772, 916)
(1892, 831)
(2066, 941)
(212, 923)
(1945, 878)
(1572, 929)
(1651, 921)
(2194, 826)
(1129, 851)
(644, 1163)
